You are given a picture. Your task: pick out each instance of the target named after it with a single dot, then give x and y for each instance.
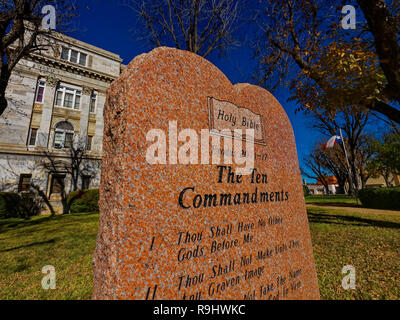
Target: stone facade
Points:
(55, 96)
(379, 182)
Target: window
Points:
(86, 182)
(68, 98)
(69, 139)
(32, 137)
(73, 56)
(89, 143)
(64, 135)
(82, 59)
(40, 91)
(64, 53)
(59, 98)
(57, 183)
(93, 102)
(24, 182)
(77, 102)
(59, 140)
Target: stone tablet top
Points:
(198, 231)
(226, 115)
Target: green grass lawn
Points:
(331, 199)
(369, 242)
(65, 242)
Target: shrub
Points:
(381, 198)
(84, 201)
(306, 191)
(31, 204)
(24, 205)
(10, 205)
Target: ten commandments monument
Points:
(180, 230)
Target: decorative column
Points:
(48, 104)
(98, 138)
(85, 110)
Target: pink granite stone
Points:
(152, 246)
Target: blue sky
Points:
(109, 25)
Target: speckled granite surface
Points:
(150, 244)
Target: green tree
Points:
(386, 161)
(306, 191)
(303, 43)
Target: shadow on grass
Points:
(51, 241)
(8, 224)
(15, 224)
(350, 220)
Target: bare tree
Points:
(353, 122)
(21, 33)
(33, 187)
(315, 169)
(73, 163)
(324, 162)
(67, 167)
(334, 161)
(199, 26)
(363, 157)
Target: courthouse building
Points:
(55, 98)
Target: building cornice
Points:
(66, 39)
(62, 37)
(70, 67)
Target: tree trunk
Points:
(388, 181)
(66, 206)
(3, 102)
(387, 110)
(64, 200)
(363, 182)
(45, 199)
(75, 180)
(340, 189)
(4, 78)
(384, 29)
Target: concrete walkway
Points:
(354, 209)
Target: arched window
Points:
(63, 135)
